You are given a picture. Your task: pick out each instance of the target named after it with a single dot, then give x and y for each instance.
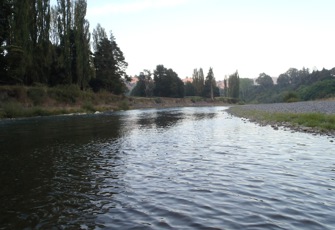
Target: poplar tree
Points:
(198, 81)
(234, 85)
(19, 45)
(39, 70)
(82, 45)
(64, 22)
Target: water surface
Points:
(184, 168)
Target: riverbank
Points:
(21, 101)
(317, 117)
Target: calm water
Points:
(185, 168)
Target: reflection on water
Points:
(184, 168)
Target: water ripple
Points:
(184, 168)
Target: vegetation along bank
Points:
(310, 116)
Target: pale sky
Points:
(251, 36)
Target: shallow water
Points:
(184, 168)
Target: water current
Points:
(179, 168)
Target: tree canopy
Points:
(234, 85)
(167, 83)
(51, 45)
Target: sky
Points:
(250, 36)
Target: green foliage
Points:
(88, 106)
(264, 80)
(66, 94)
(44, 44)
(314, 120)
(190, 89)
(16, 109)
(12, 110)
(318, 90)
(195, 99)
(167, 83)
(291, 97)
(210, 85)
(37, 95)
(245, 87)
(198, 82)
(109, 63)
(144, 86)
(304, 86)
(234, 85)
(123, 105)
(158, 100)
(139, 89)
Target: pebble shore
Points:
(324, 107)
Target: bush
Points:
(123, 105)
(88, 106)
(65, 94)
(13, 92)
(37, 95)
(12, 110)
(158, 100)
(291, 97)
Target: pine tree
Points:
(109, 63)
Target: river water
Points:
(182, 168)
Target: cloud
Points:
(133, 6)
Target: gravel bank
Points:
(323, 107)
(326, 107)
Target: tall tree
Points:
(39, 70)
(265, 81)
(82, 45)
(109, 63)
(225, 87)
(190, 89)
(167, 83)
(64, 22)
(19, 44)
(246, 86)
(210, 83)
(234, 85)
(198, 81)
(283, 80)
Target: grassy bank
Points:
(311, 122)
(22, 101)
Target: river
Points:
(177, 168)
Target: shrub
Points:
(65, 94)
(123, 105)
(158, 100)
(88, 106)
(37, 95)
(12, 110)
(291, 97)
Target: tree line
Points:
(51, 45)
(292, 85)
(166, 83)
